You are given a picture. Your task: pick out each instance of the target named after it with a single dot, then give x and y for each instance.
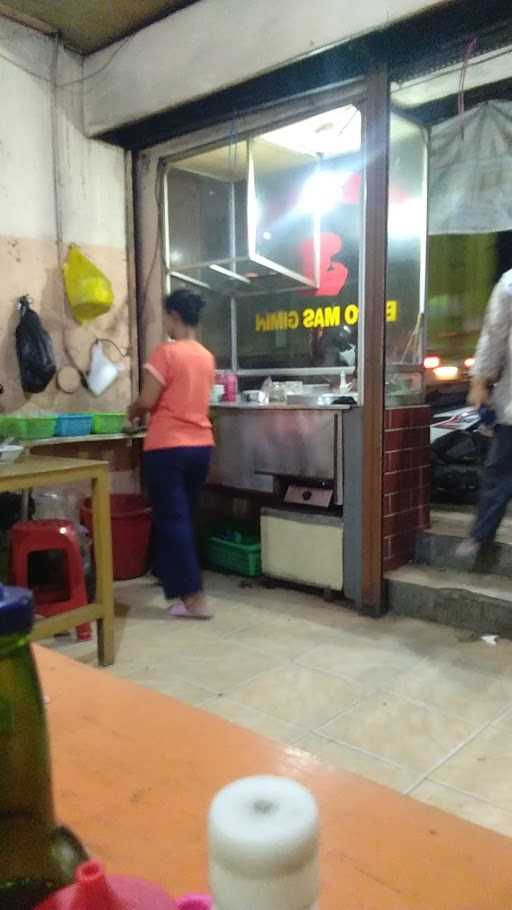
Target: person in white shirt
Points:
(491, 385)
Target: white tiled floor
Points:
(418, 707)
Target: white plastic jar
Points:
(263, 846)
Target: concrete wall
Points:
(55, 182)
(216, 44)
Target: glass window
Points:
(318, 327)
(198, 218)
(274, 223)
(462, 270)
(407, 227)
(215, 328)
(215, 325)
(284, 213)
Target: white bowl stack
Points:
(9, 453)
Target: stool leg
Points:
(25, 505)
(19, 566)
(76, 582)
(103, 551)
(84, 632)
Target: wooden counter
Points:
(134, 773)
(74, 440)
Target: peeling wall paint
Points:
(26, 161)
(92, 176)
(54, 182)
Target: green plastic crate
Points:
(7, 426)
(25, 427)
(242, 556)
(108, 424)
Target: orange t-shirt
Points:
(186, 371)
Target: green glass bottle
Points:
(36, 855)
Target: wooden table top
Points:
(134, 772)
(36, 465)
(83, 440)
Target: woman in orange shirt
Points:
(178, 378)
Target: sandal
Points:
(180, 611)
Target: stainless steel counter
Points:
(276, 406)
(256, 443)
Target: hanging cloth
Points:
(470, 189)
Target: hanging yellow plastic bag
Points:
(88, 290)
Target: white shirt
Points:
(493, 357)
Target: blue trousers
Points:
(496, 489)
(174, 478)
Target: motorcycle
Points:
(459, 442)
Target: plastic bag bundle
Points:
(88, 290)
(34, 349)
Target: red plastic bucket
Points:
(131, 530)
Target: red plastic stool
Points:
(53, 534)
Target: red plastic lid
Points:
(195, 902)
(93, 890)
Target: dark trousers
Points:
(174, 478)
(496, 489)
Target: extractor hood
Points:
(241, 220)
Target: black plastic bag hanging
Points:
(34, 349)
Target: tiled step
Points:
(437, 546)
(466, 600)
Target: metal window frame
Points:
(370, 555)
(372, 95)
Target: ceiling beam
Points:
(486, 69)
(99, 24)
(445, 108)
(10, 12)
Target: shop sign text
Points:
(323, 317)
